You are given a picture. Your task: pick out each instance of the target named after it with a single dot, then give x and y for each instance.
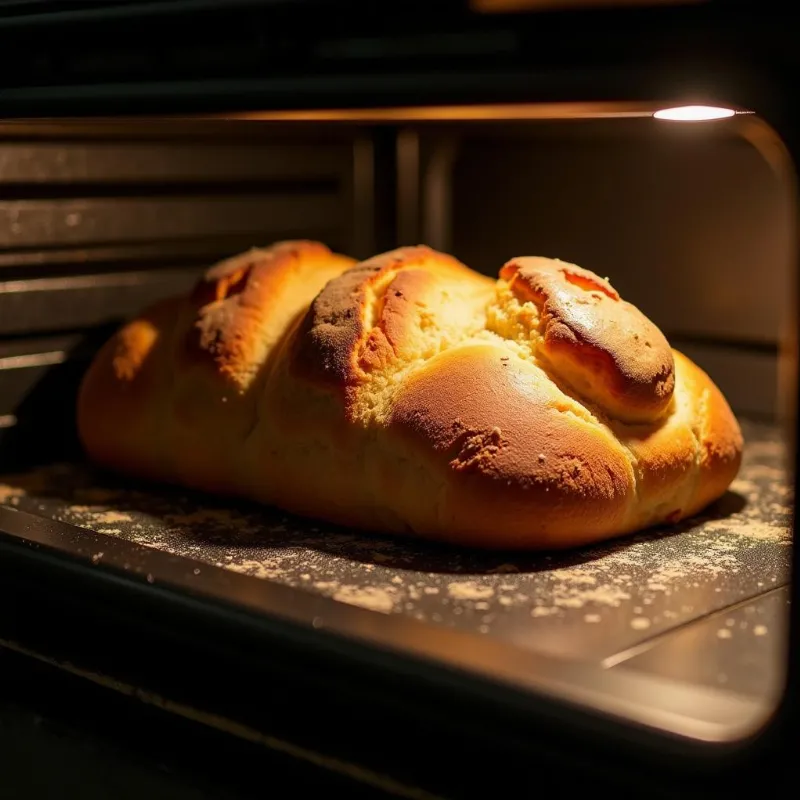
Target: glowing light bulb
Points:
(694, 113)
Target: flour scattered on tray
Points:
(100, 516)
(265, 568)
(581, 577)
(469, 590)
(370, 597)
(608, 595)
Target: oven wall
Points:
(99, 221)
(692, 224)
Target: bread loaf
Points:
(409, 394)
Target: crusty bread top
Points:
(379, 313)
(240, 307)
(394, 310)
(605, 348)
(186, 375)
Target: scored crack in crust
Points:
(388, 314)
(410, 394)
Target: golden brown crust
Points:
(507, 444)
(357, 323)
(118, 421)
(205, 359)
(718, 434)
(413, 395)
(604, 347)
(239, 302)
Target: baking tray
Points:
(678, 632)
(606, 604)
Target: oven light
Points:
(694, 113)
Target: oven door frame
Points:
(744, 63)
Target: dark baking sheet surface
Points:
(610, 604)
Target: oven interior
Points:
(694, 223)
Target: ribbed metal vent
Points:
(93, 226)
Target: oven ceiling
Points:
(79, 58)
